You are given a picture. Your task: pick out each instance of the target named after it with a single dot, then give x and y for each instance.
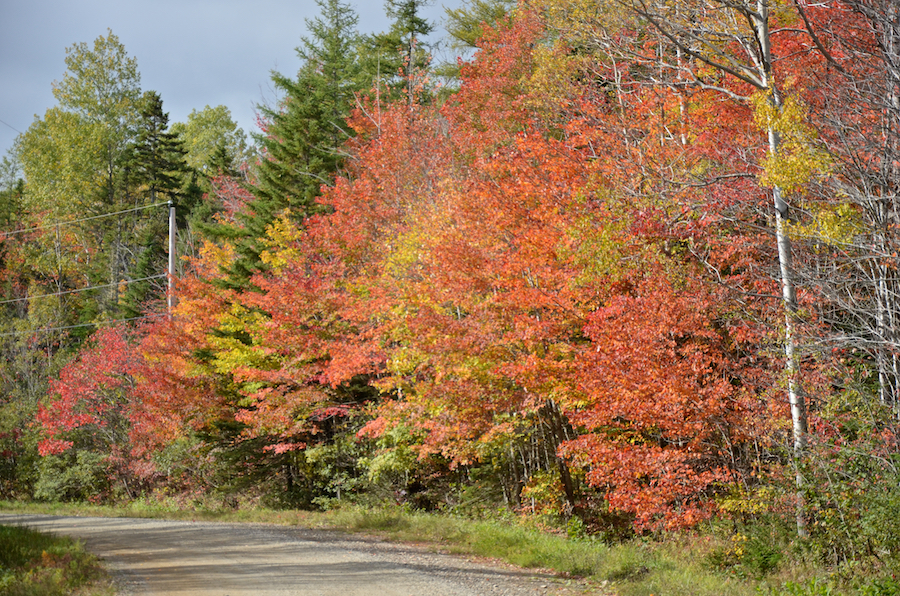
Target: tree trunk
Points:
(786, 269)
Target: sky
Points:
(194, 53)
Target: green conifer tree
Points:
(465, 26)
(155, 171)
(301, 144)
(156, 159)
(393, 58)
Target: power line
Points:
(33, 331)
(11, 126)
(74, 221)
(56, 225)
(128, 281)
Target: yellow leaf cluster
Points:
(741, 501)
(582, 19)
(215, 256)
(831, 224)
(406, 254)
(798, 160)
(551, 81)
(282, 238)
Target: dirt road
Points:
(173, 558)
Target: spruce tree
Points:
(156, 171)
(392, 58)
(301, 147)
(156, 159)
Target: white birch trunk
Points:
(785, 261)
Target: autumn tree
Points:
(846, 233)
(531, 284)
(301, 152)
(738, 52)
(856, 110)
(88, 416)
(490, 107)
(490, 278)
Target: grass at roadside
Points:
(634, 568)
(675, 567)
(38, 564)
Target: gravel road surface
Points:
(176, 558)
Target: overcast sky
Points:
(194, 53)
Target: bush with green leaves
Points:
(74, 475)
(852, 484)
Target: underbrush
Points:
(37, 564)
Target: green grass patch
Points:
(38, 564)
